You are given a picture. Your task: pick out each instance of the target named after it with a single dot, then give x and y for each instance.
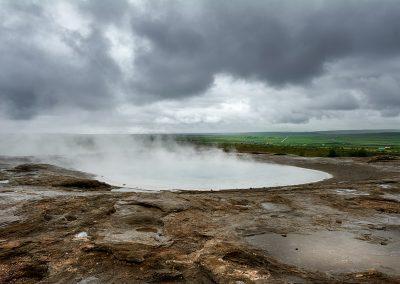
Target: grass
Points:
(311, 144)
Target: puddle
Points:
(395, 197)
(389, 219)
(377, 222)
(310, 207)
(269, 206)
(350, 192)
(81, 236)
(331, 251)
(129, 189)
(385, 186)
(89, 280)
(128, 236)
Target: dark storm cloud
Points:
(36, 77)
(105, 11)
(185, 44)
(335, 101)
(278, 42)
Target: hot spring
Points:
(148, 164)
(194, 171)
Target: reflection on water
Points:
(346, 191)
(331, 251)
(163, 170)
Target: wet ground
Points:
(333, 251)
(61, 226)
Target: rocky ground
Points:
(61, 226)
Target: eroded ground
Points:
(60, 226)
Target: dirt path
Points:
(59, 226)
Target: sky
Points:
(120, 66)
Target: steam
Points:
(153, 162)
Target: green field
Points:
(317, 144)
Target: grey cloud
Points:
(34, 79)
(336, 100)
(105, 11)
(363, 83)
(293, 118)
(384, 93)
(277, 42)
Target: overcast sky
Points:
(96, 66)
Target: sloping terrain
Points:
(61, 226)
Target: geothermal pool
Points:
(148, 163)
(209, 170)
